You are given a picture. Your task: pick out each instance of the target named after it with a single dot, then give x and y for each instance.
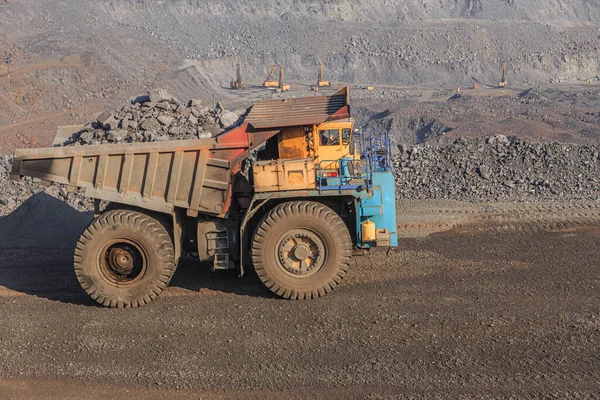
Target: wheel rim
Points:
(301, 252)
(122, 262)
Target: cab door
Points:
(333, 144)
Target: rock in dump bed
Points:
(158, 116)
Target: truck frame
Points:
(291, 192)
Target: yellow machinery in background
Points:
(320, 81)
(503, 82)
(283, 87)
(279, 85)
(269, 82)
(237, 84)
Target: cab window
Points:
(330, 137)
(346, 136)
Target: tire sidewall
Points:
(107, 289)
(333, 253)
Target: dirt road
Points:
(468, 312)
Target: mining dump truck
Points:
(291, 192)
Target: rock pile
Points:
(13, 194)
(498, 169)
(155, 117)
(45, 221)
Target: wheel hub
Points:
(122, 262)
(301, 252)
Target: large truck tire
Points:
(301, 250)
(124, 259)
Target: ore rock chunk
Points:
(159, 95)
(484, 171)
(105, 116)
(150, 125)
(164, 120)
(164, 105)
(228, 119)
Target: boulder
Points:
(228, 119)
(159, 95)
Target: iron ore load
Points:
(291, 192)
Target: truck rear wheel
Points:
(301, 250)
(124, 259)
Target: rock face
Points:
(156, 117)
(498, 169)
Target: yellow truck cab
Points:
(332, 142)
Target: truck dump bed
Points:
(192, 174)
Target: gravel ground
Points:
(456, 314)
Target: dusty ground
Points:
(483, 310)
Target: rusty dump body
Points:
(193, 174)
(247, 196)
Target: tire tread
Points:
(158, 238)
(280, 213)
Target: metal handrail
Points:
(379, 150)
(376, 149)
(344, 179)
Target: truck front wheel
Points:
(124, 259)
(301, 250)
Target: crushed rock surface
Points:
(498, 169)
(44, 221)
(13, 194)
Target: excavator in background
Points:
(237, 84)
(291, 192)
(269, 82)
(282, 87)
(320, 81)
(503, 82)
(279, 84)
